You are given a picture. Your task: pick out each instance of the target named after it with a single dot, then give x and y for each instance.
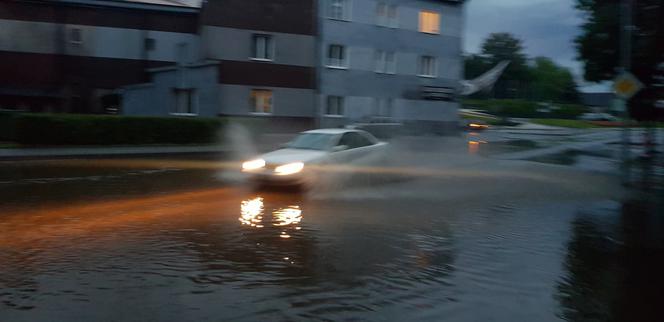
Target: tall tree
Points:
(598, 47)
(475, 65)
(551, 82)
(505, 46)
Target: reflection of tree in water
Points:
(615, 269)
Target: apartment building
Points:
(256, 59)
(308, 62)
(71, 55)
(394, 59)
(266, 53)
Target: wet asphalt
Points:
(443, 232)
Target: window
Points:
(335, 106)
(338, 9)
(261, 101)
(150, 43)
(75, 35)
(429, 22)
(263, 47)
(354, 140)
(427, 66)
(386, 15)
(361, 140)
(336, 56)
(385, 62)
(383, 107)
(185, 101)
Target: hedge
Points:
(525, 109)
(70, 129)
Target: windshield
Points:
(311, 141)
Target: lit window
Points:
(335, 106)
(386, 15)
(429, 22)
(76, 35)
(261, 101)
(338, 9)
(336, 56)
(185, 101)
(427, 66)
(263, 47)
(385, 62)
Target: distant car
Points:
(301, 160)
(598, 117)
(475, 125)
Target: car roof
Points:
(332, 131)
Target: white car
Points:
(302, 159)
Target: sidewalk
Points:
(537, 129)
(529, 154)
(97, 151)
(265, 143)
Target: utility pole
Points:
(625, 66)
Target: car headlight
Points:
(290, 168)
(253, 164)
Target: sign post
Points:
(625, 86)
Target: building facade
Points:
(396, 59)
(71, 56)
(266, 55)
(256, 59)
(308, 62)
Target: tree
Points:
(475, 65)
(504, 46)
(551, 82)
(544, 81)
(598, 48)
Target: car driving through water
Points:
(300, 161)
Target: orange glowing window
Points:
(261, 101)
(429, 22)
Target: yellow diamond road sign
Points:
(626, 85)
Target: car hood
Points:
(284, 156)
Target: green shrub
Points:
(577, 124)
(568, 111)
(69, 129)
(523, 108)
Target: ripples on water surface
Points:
(220, 253)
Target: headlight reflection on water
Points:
(252, 212)
(291, 215)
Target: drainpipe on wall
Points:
(317, 63)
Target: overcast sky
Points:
(546, 27)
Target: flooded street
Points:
(453, 238)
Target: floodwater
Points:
(176, 240)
